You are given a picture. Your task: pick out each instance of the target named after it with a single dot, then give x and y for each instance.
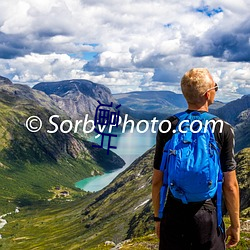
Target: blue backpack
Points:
(191, 162)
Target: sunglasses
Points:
(216, 87)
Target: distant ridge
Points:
(4, 80)
(77, 97)
(237, 113)
(231, 110)
(33, 163)
(152, 100)
(157, 103)
(61, 88)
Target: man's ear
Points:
(207, 95)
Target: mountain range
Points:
(231, 111)
(77, 97)
(151, 104)
(237, 113)
(4, 80)
(160, 104)
(33, 166)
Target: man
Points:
(194, 225)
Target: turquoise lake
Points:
(129, 147)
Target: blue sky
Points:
(126, 45)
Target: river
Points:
(129, 147)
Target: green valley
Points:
(122, 210)
(32, 163)
(38, 172)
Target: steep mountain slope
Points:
(232, 110)
(243, 175)
(116, 208)
(237, 114)
(120, 211)
(4, 80)
(106, 215)
(32, 163)
(242, 130)
(77, 97)
(216, 105)
(126, 206)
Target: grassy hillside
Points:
(120, 212)
(84, 222)
(150, 242)
(31, 164)
(51, 225)
(58, 227)
(38, 172)
(243, 175)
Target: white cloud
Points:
(117, 81)
(16, 19)
(34, 68)
(140, 44)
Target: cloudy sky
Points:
(126, 45)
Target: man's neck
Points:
(198, 107)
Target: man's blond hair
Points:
(195, 83)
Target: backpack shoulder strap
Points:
(182, 115)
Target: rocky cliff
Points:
(31, 163)
(243, 175)
(77, 97)
(4, 80)
(232, 110)
(242, 130)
